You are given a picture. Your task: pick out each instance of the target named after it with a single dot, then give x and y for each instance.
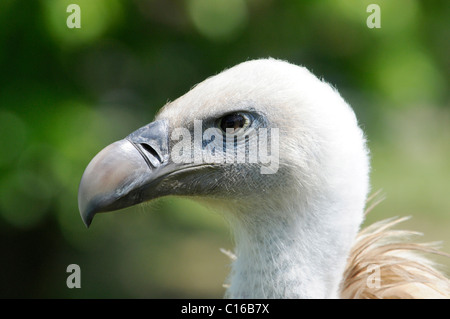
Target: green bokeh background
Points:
(67, 93)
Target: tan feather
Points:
(383, 265)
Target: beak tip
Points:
(87, 221)
(87, 215)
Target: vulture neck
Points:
(295, 252)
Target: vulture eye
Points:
(234, 122)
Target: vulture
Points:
(280, 155)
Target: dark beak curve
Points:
(116, 176)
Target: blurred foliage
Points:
(67, 93)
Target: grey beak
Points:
(117, 176)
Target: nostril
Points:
(149, 154)
(152, 151)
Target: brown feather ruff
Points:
(382, 265)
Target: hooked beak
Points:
(122, 173)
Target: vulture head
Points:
(271, 147)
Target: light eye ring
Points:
(234, 122)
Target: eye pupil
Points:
(234, 121)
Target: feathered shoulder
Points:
(382, 265)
